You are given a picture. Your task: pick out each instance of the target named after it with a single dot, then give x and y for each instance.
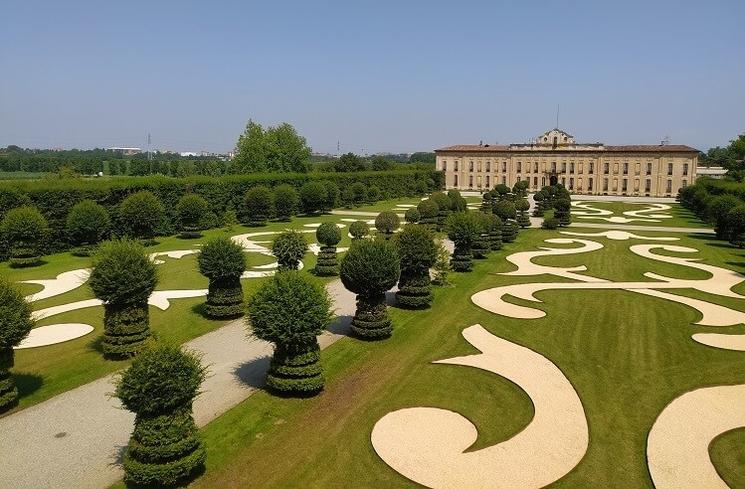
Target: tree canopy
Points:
(276, 149)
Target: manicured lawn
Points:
(627, 355)
(682, 217)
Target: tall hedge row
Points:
(55, 198)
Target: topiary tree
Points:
(87, 224)
(457, 203)
(223, 262)
(140, 215)
(563, 211)
(369, 269)
(359, 193)
(539, 198)
(333, 195)
(521, 207)
(505, 210)
(736, 225)
(487, 202)
(412, 215)
(716, 213)
(463, 228)
(359, 229)
(386, 223)
(501, 191)
(160, 387)
(480, 247)
(15, 325)
(509, 231)
(441, 267)
(428, 212)
(123, 277)
(192, 211)
(258, 206)
(291, 311)
(329, 235)
(550, 223)
(494, 232)
(444, 205)
(313, 196)
(417, 251)
(373, 194)
(289, 248)
(25, 229)
(520, 189)
(286, 202)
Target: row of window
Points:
(606, 167)
(570, 186)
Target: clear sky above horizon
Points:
(374, 75)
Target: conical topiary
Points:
(509, 231)
(494, 230)
(223, 262)
(329, 236)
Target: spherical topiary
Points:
(140, 214)
(15, 325)
(329, 235)
(160, 387)
(521, 207)
(563, 211)
(359, 229)
(428, 212)
(369, 269)
(550, 223)
(417, 251)
(291, 311)
(289, 248)
(313, 196)
(487, 202)
(286, 202)
(25, 229)
(192, 211)
(463, 228)
(412, 215)
(386, 223)
(505, 210)
(123, 277)
(258, 206)
(87, 224)
(223, 262)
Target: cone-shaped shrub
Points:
(521, 207)
(480, 247)
(494, 231)
(412, 215)
(463, 228)
(160, 387)
(563, 211)
(428, 212)
(369, 269)
(386, 223)
(223, 262)
(289, 248)
(123, 277)
(286, 202)
(329, 235)
(87, 224)
(417, 251)
(192, 210)
(359, 229)
(290, 311)
(140, 215)
(24, 228)
(509, 231)
(258, 206)
(15, 325)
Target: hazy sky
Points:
(374, 75)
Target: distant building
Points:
(717, 172)
(126, 151)
(554, 157)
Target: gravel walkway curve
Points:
(76, 439)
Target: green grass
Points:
(20, 175)
(627, 355)
(682, 217)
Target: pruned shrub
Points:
(333, 196)
(480, 247)
(286, 202)
(373, 194)
(290, 311)
(192, 211)
(736, 225)
(428, 212)
(412, 215)
(87, 224)
(505, 210)
(563, 211)
(417, 252)
(160, 387)
(223, 262)
(359, 230)
(258, 206)
(494, 232)
(24, 229)
(329, 235)
(359, 193)
(313, 196)
(289, 248)
(444, 205)
(487, 202)
(550, 223)
(463, 228)
(140, 214)
(123, 277)
(523, 219)
(509, 231)
(386, 223)
(15, 325)
(369, 269)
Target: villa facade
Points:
(554, 157)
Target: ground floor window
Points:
(648, 185)
(455, 180)
(589, 184)
(615, 185)
(470, 181)
(669, 186)
(625, 185)
(636, 185)
(605, 184)
(535, 182)
(487, 181)
(504, 180)
(571, 184)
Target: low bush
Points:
(313, 196)
(428, 213)
(87, 224)
(412, 215)
(140, 214)
(192, 211)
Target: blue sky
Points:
(374, 75)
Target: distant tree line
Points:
(731, 156)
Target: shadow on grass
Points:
(27, 384)
(201, 310)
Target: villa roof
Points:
(493, 148)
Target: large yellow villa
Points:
(593, 169)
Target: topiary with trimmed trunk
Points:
(160, 387)
(87, 224)
(192, 211)
(223, 262)
(487, 202)
(24, 228)
(140, 214)
(428, 212)
(509, 231)
(563, 211)
(540, 198)
(417, 251)
(15, 325)
(386, 223)
(505, 210)
(463, 228)
(286, 202)
(258, 206)
(521, 207)
(444, 205)
(289, 248)
(480, 247)
(123, 277)
(329, 235)
(359, 229)
(494, 231)
(369, 269)
(412, 215)
(290, 311)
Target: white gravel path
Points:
(74, 440)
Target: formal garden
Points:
(387, 335)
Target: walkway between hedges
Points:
(76, 439)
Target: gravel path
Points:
(76, 439)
